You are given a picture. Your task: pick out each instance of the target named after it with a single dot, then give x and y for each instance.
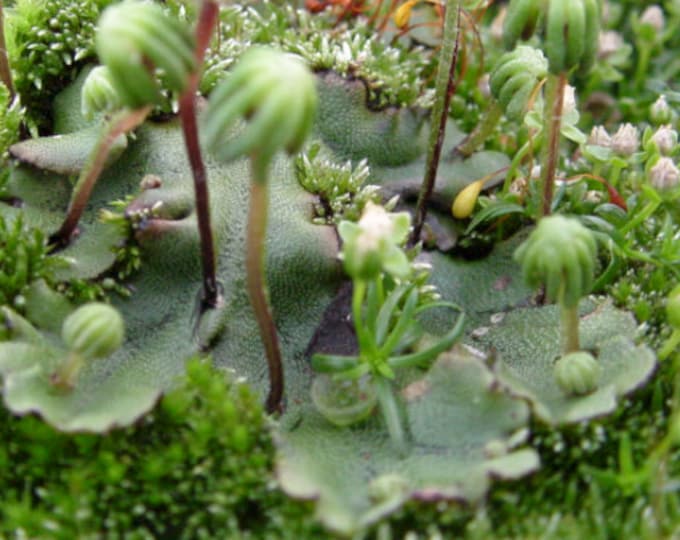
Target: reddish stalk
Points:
(121, 123)
(445, 87)
(255, 247)
(554, 96)
(187, 112)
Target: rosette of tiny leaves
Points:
(140, 43)
(340, 187)
(560, 254)
(276, 91)
(98, 94)
(514, 78)
(372, 245)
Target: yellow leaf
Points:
(402, 15)
(465, 201)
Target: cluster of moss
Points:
(11, 116)
(23, 259)
(395, 74)
(340, 187)
(48, 41)
(198, 466)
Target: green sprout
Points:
(277, 93)
(94, 330)
(385, 302)
(560, 255)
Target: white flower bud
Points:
(599, 137)
(626, 140)
(664, 174)
(665, 138)
(660, 112)
(376, 226)
(608, 43)
(653, 16)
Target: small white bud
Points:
(609, 42)
(376, 226)
(626, 140)
(660, 112)
(653, 16)
(665, 138)
(599, 137)
(664, 174)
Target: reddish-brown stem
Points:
(445, 87)
(386, 18)
(374, 15)
(121, 123)
(5, 71)
(187, 112)
(255, 246)
(554, 97)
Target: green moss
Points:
(340, 187)
(11, 116)
(199, 466)
(23, 259)
(48, 41)
(395, 74)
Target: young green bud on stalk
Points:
(95, 330)
(577, 373)
(134, 40)
(514, 78)
(276, 93)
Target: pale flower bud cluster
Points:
(665, 139)
(664, 174)
(654, 17)
(376, 226)
(660, 112)
(626, 141)
(599, 137)
(609, 42)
